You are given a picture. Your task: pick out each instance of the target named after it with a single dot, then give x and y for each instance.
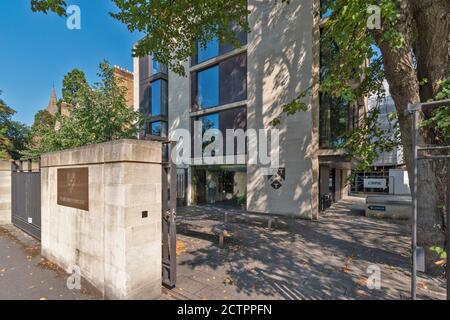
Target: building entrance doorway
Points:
(220, 185)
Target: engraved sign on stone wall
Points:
(73, 188)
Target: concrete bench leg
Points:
(269, 224)
(221, 240)
(225, 217)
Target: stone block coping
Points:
(119, 151)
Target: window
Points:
(158, 128)
(209, 122)
(215, 48)
(211, 50)
(235, 118)
(159, 98)
(158, 67)
(334, 112)
(221, 84)
(233, 79)
(334, 115)
(208, 88)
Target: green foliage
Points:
(354, 64)
(101, 114)
(293, 107)
(172, 27)
(440, 251)
(43, 118)
(56, 6)
(370, 139)
(5, 115)
(19, 135)
(440, 118)
(73, 85)
(441, 256)
(242, 200)
(13, 135)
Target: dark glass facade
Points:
(215, 48)
(222, 83)
(334, 112)
(235, 119)
(154, 96)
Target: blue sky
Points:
(37, 50)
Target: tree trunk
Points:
(432, 55)
(425, 25)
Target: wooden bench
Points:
(270, 219)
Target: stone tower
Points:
(52, 107)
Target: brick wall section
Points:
(126, 79)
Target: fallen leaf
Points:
(228, 281)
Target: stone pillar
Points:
(324, 180)
(5, 192)
(338, 185)
(346, 189)
(116, 243)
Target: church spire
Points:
(53, 103)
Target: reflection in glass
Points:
(159, 98)
(158, 67)
(211, 50)
(208, 87)
(209, 122)
(158, 128)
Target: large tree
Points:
(99, 113)
(13, 135)
(5, 115)
(73, 85)
(410, 50)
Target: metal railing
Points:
(414, 110)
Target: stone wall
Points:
(116, 244)
(276, 75)
(5, 192)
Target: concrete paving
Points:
(299, 259)
(25, 275)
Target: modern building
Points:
(390, 165)
(392, 159)
(245, 88)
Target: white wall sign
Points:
(375, 183)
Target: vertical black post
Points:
(169, 204)
(415, 132)
(448, 230)
(20, 165)
(173, 214)
(30, 165)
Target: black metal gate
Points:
(169, 207)
(26, 197)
